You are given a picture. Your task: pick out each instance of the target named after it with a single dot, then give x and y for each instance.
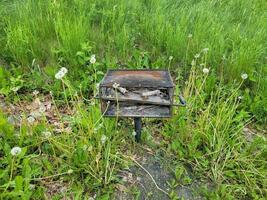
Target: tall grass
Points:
(234, 31)
(141, 34)
(209, 136)
(83, 158)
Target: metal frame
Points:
(137, 118)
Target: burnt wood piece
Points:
(109, 94)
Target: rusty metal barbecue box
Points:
(137, 93)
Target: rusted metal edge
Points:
(162, 70)
(143, 116)
(171, 84)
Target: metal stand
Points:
(138, 128)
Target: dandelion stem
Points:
(11, 174)
(66, 99)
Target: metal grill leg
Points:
(138, 128)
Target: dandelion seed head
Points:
(47, 134)
(64, 70)
(205, 50)
(70, 171)
(205, 70)
(103, 139)
(240, 97)
(30, 119)
(35, 92)
(190, 35)
(244, 76)
(42, 109)
(93, 59)
(31, 186)
(61, 73)
(170, 58)
(15, 151)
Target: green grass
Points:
(52, 33)
(234, 29)
(38, 37)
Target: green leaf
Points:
(19, 183)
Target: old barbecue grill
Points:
(136, 94)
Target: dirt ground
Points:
(138, 184)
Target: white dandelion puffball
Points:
(205, 50)
(42, 109)
(197, 55)
(31, 186)
(64, 70)
(205, 70)
(240, 97)
(70, 171)
(93, 59)
(61, 73)
(47, 134)
(190, 35)
(103, 139)
(244, 76)
(35, 92)
(15, 151)
(170, 58)
(30, 119)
